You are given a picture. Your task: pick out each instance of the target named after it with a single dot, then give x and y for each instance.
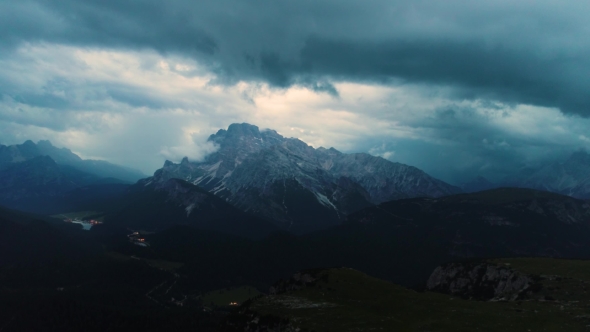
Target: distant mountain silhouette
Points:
(29, 150)
(570, 177)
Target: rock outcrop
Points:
(482, 281)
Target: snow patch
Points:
(190, 209)
(218, 188)
(198, 180)
(213, 168)
(324, 200)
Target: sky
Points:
(457, 88)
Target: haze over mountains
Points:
(570, 177)
(28, 150)
(42, 178)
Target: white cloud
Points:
(139, 108)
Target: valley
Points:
(270, 234)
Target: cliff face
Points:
(482, 281)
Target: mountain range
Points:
(259, 176)
(41, 178)
(12, 154)
(569, 177)
(298, 187)
(261, 208)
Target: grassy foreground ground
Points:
(347, 300)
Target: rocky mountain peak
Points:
(290, 182)
(44, 144)
(60, 155)
(243, 129)
(28, 143)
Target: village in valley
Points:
(137, 238)
(86, 219)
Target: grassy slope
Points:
(347, 300)
(223, 297)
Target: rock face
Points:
(298, 187)
(483, 281)
(298, 281)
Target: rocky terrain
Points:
(527, 293)
(482, 281)
(297, 186)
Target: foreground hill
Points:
(156, 206)
(99, 168)
(498, 222)
(298, 187)
(56, 277)
(347, 300)
(401, 241)
(27, 239)
(125, 286)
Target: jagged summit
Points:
(295, 185)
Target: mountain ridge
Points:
(267, 174)
(12, 154)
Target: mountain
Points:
(402, 241)
(157, 206)
(28, 150)
(570, 177)
(498, 222)
(30, 185)
(299, 187)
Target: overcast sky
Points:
(457, 88)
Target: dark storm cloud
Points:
(474, 69)
(536, 53)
